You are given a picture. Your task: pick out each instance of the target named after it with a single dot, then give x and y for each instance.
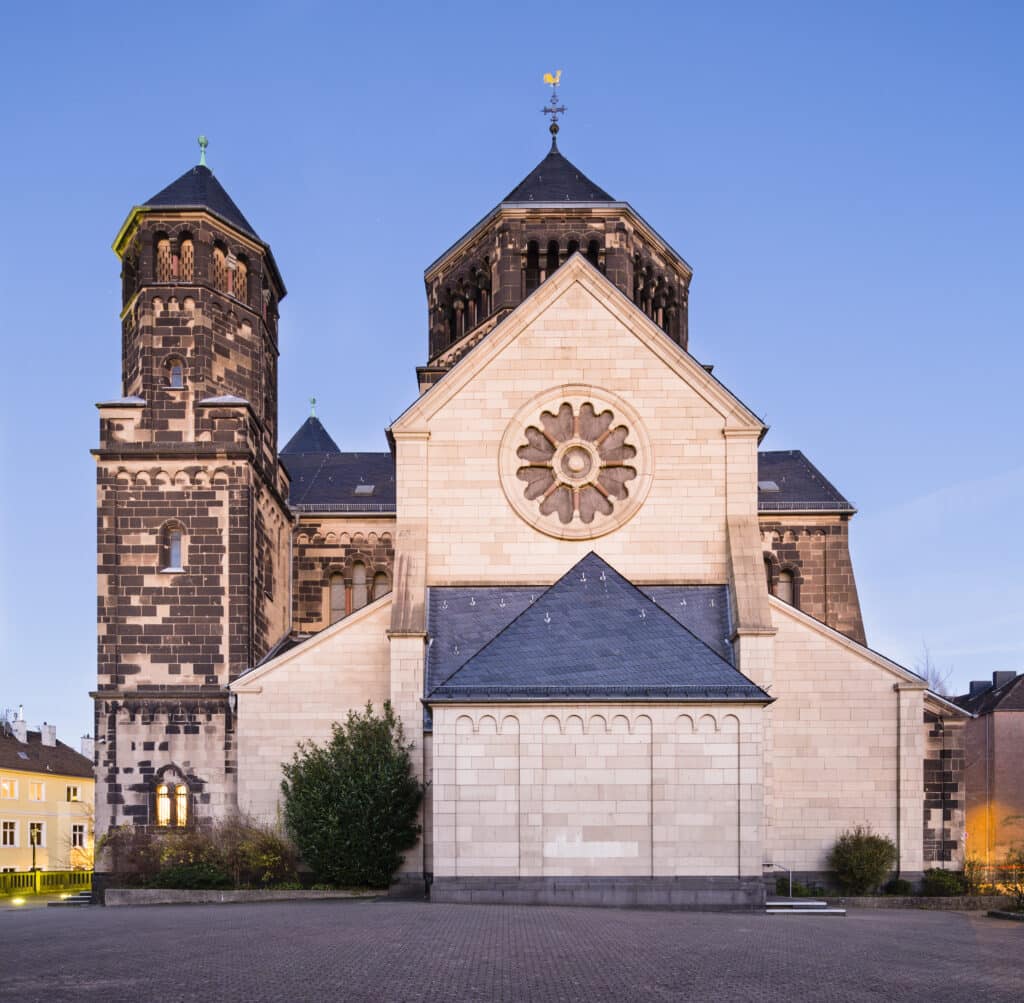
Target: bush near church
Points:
(351, 805)
(861, 860)
(235, 852)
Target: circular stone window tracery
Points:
(576, 463)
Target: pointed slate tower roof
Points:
(311, 437)
(593, 635)
(555, 179)
(197, 188)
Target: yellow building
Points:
(46, 798)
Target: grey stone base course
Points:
(699, 893)
(1003, 914)
(173, 896)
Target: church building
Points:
(625, 640)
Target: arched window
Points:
(220, 269)
(532, 277)
(180, 805)
(186, 259)
(380, 585)
(552, 261)
(175, 374)
(784, 589)
(768, 571)
(164, 265)
(172, 548)
(337, 598)
(163, 804)
(593, 253)
(359, 596)
(574, 246)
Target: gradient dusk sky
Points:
(845, 180)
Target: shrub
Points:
(861, 859)
(938, 882)
(198, 875)
(800, 891)
(234, 852)
(351, 804)
(899, 886)
(1011, 876)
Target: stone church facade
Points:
(627, 643)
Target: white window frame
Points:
(10, 786)
(78, 829)
(3, 835)
(33, 786)
(42, 833)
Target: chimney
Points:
(979, 686)
(89, 747)
(1002, 678)
(48, 734)
(18, 727)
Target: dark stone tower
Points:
(193, 525)
(553, 213)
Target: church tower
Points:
(193, 528)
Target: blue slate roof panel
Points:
(197, 188)
(591, 635)
(800, 485)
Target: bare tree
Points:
(934, 675)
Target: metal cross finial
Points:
(312, 407)
(203, 144)
(553, 108)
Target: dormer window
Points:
(767, 487)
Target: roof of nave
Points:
(789, 482)
(324, 479)
(1007, 695)
(198, 188)
(34, 757)
(555, 179)
(593, 635)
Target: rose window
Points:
(576, 463)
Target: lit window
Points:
(380, 585)
(8, 833)
(337, 598)
(37, 834)
(784, 587)
(77, 836)
(181, 805)
(359, 591)
(8, 788)
(163, 805)
(74, 792)
(36, 790)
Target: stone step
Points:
(827, 911)
(796, 903)
(79, 899)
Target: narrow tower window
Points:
(181, 805)
(172, 548)
(186, 259)
(163, 805)
(532, 277)
(176, 374)
(241, 281)
(380, 585)
(784, 588)
(220, 270)
(593, 252)
(552, 262)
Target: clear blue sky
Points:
(844, 179)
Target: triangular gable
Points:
(578, 270)
(249, 682)
(593, 635)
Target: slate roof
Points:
(555, 179)
(197, 188)
(311, 437)
(324, 479)
(59, 759)
(801, 485)
(590, 636)
(1008, 696)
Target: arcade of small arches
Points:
(353, 588)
